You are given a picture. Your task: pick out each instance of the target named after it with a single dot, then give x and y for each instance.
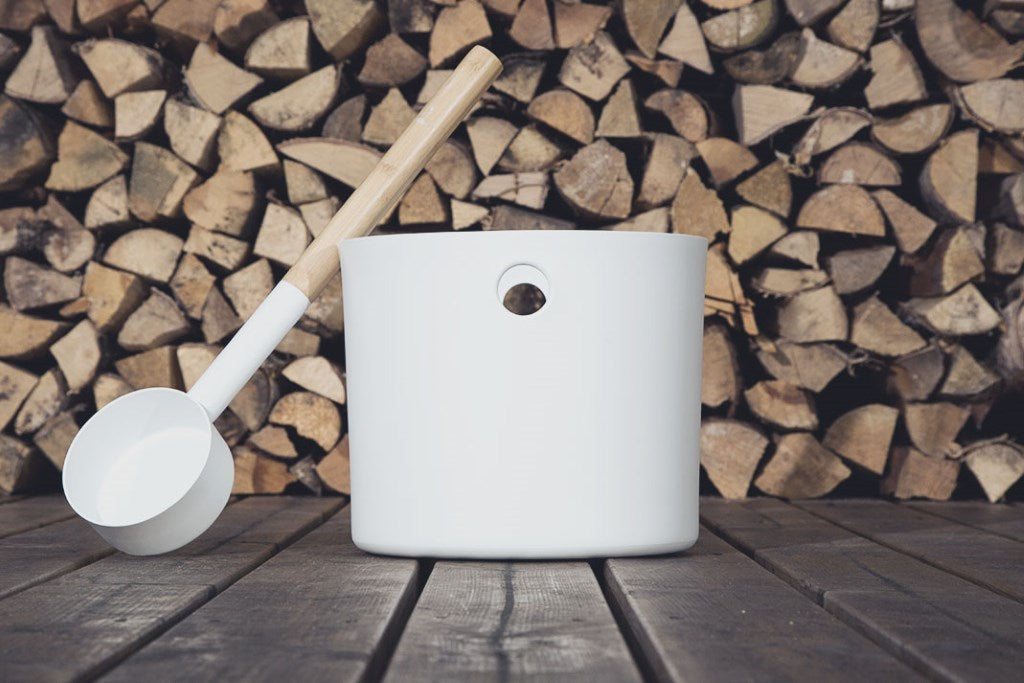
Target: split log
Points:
(807, 12)
(619, 117)
(697, 210)
(26, 336)
(722, 382)
(512, 218)
(274, 441)
(530, 150)
(964, 312)
(860, 164)
(766, 67)
(281, 51)
(596, 182)
(333, 468)
(316, 215)
(47, 398)
(916, 131)
(97, 15)
(911, 228)
(592, 69)
(685, 41)
(933, 427)
(112, 294)
(21, 467)
(282, 236)
(645, 21)
(948, 179)
(863, 435)
(237, 22)
(156, 322)
(257, 474)
(762, 110)
(43, 74)
(411, 16)
(456, 29)
(1007, 254)
(801, 467)
(489, 138)
(108, 205)
(769, 188)
(299, 105)
(108, 387)
(566, 112)
(667, 163)
(118, 66)
(520, 77)
(831, 128)
(842, 208)
(313, 417)
(655, 220)
(84, 160)
(729, 452)
(317, 374)
(912, 474)
(465, 215)
(452, 169)
(135, 113)
(346, 161)
(227, 252)
(215, 82)
(225, 202)
(952, 261)
(915, 376)
(787, 281)
(192, 132)
(303, 183)
(432, 83)
(67, 245)
(388, 119)
(191, 285)
(725, 159)
(809, 366)
(822, 64)
(218, 321)
(15, 386)
(29, 285)
(158, 183)
(966, 377)
(752, 231)
(687, 113)
(86, 104)
(532, 27)
(344, 26)
(854, 26)
(185, 22)
(741, 28)
(578, 23)
(896, 77)
(248, 287)
(78, 355)
(962, 47)
(154, 368)
(299, 343)
(782, 404)
(854, 270)
(996, 466)
(421, 204)
(148, 252)
(241, 146)
(54, 438)
(817, 315)
(995, 105)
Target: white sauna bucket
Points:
(476, 432)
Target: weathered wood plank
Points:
(986, 559)
(320, 610)
(938, 623)
(1002, 520)
(32, 513)
(713, 614)
(41, 554)
(7, 498)
(510, 621)
(96, 616)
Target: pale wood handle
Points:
(393, 174)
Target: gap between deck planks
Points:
(97, 615)
(939, 623)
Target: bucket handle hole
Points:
(522, 289)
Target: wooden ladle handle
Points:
(393, 174)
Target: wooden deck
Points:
(836, 590)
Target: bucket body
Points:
(569, 432)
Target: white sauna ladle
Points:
(149, 471)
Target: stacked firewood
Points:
(856, 166)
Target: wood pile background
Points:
(856, 165)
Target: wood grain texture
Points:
(98, 615)
(941, 625)
(319, 610)
(43, 553)
(512, 621)
(990, 561)
(31, 513)
(1002, 520)
(713, 614)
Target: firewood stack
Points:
(856, 165)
